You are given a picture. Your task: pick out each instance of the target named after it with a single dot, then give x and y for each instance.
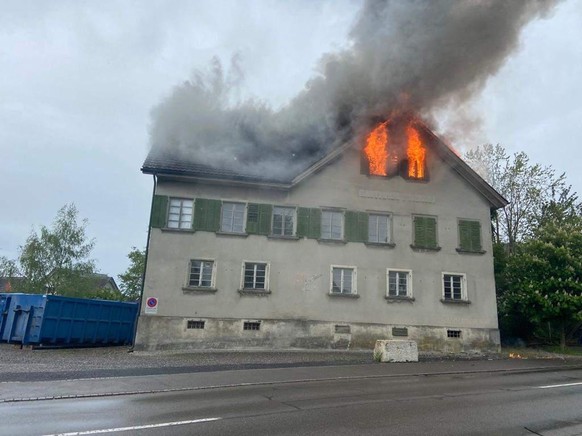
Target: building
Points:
(344, 253)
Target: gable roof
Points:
(165, 164)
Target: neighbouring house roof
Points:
(99, 281)
(163, 163)
(103, 280)
(7, 284)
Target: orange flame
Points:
(375, 150)
(416, 154)
(516, 356)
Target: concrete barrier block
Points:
(396, 351)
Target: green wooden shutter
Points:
(356, 226)
(207, 215)
(425, 232)
(309, 222)
(363, 226)
(159, 211)
(476, 236)
(259, 218)
(470, 235)
(431, 232)
(419, 233)
(464, 235)
(314, 224)
(302, 221)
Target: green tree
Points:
(8, 267)
(132, 279)
(529, 188)
(544, 277)
(56, 259)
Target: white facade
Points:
(266, 291)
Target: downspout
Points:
(145, 266)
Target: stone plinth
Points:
(396, 351)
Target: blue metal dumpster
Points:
(4, 304)
(65, 321)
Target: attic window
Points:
(394, 148)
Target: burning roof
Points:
(397, 146)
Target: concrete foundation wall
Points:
(171, 333)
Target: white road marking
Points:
(559, 386)
(136, 427)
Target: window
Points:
(192, 324)
(425, 232)
(201, 274)
(233, 216)
(252, 325)
(399, 331)
(343, 280)
(332, 224)
(379, 229)
(283, 221)
(453, 333)
(454, 286)
(399, 283)
(255, 275)
(180, 214)
(469, 236)
(343, 329)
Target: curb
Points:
(307, 380)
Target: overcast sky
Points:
(78, 80)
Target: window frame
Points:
(341, 213)
(180, 213)
(354, 285)
(213, 274)
(464, 296)
(294, 227)
(267, 288)
(389, 227)
(244, 218)
(408, 273)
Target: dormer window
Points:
(395, 148)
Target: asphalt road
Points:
(545, 403)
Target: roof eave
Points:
(495, 199)
(186, 175)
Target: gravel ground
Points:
(46, 364)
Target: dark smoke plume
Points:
(416, 55)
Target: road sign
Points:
(151, 305)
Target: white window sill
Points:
(450, 301)
(239, 235)
(198, 290)
(332, 241)
(175, 230)
(255, 292)
(342, 295)
(399, 298)
(381, 244)
(424, 249)
(463, 251)
(284, 238)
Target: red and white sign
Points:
(151, 305)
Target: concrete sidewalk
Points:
(86, 388)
